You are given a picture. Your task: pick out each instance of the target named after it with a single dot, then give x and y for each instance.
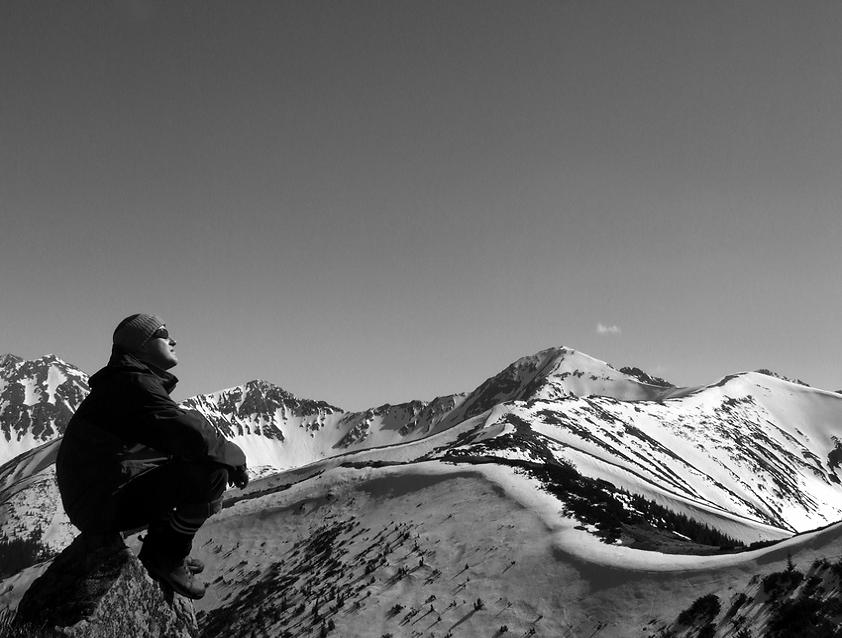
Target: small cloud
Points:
(602, 329)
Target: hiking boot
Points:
(176, 575)
(194, 565)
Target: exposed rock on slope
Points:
(101, 594)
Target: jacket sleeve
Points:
(154, 419)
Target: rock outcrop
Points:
(102, 592)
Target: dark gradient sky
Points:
(371, 202)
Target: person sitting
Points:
(131, 457)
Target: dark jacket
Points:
(128, 424)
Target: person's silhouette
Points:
(131, 457)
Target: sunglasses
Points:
(160, 333)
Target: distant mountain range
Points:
(279, 431)
(631, 461)
(38, 397)
(753, 454)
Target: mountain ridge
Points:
(627, 475)
(685, 448)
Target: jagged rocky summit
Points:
(101, 592)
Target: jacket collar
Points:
(122, 360)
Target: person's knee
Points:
(218, 481)
(208, 482)
(196, 513)
(203, 482)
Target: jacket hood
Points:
(122, 362)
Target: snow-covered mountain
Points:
(753, 455)
(278, 430)
(755, 449)
(572, 466)
(37, 399)
(556, 374)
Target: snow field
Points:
(527, 563)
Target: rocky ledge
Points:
(101, 590)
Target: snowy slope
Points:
(352, 543)
(413, 548)
(752, 445)
(30, 507)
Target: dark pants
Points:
(173, 500)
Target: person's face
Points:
(159, 350)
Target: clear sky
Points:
(371, 202)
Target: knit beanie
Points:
(132, 332)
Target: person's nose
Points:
(172, 342)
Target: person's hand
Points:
(238, 477)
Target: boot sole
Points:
(163, 578)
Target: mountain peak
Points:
(263, 385)
(264, 392)
(776, 375)
(9, 359)
(555, 373)
(37, 399)
(50, 359)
